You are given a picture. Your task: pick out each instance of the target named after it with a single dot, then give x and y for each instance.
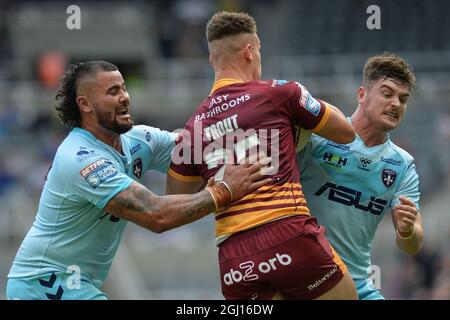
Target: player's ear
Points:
(211, 61)
(361, 94)
(83, 104)
(248, 52)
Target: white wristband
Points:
(229, 189)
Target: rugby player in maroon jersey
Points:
(269, 245)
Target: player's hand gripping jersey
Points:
(242, 118)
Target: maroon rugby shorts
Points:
(290, 256)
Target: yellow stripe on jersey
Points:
(224, 82)
(180, 177)
(230, 225)
(257, 208)
(337, 259)
(256, 204)
(286, 189)
(286, 185)
(251, 196)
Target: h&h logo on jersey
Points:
(388, 177)
(334, 160)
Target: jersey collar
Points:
(126, 158)
(224, 82)
(84, 133)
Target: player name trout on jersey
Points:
(237, 121)
(224, 141)
(221, 128)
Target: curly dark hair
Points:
(66, 96)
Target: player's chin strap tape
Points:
(221, 194)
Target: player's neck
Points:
(370, 135)
(233, 73)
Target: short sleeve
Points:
(161, 144)
(294, 99)
(184, 165)
(409, 187)
(97, 180)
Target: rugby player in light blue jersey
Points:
(94, 187)
(349, 188)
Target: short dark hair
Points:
(223, 24)
(388, 65)
(66, 96)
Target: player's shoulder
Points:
(79, 149)
(150, 136)
(404, 155)
(277, 85)
(286, 88)
(142, 132)
(275, 89)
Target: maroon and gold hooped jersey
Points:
(239, 119)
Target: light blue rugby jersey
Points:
(350, 187)
(71, 227)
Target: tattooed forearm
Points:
(178, 210)
(135, 197)
(182, 209)
(159, 214)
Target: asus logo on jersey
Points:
(350, 197)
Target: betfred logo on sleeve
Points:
(98, 172)
(307, 101)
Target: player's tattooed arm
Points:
(156, 213)
(162, 213)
